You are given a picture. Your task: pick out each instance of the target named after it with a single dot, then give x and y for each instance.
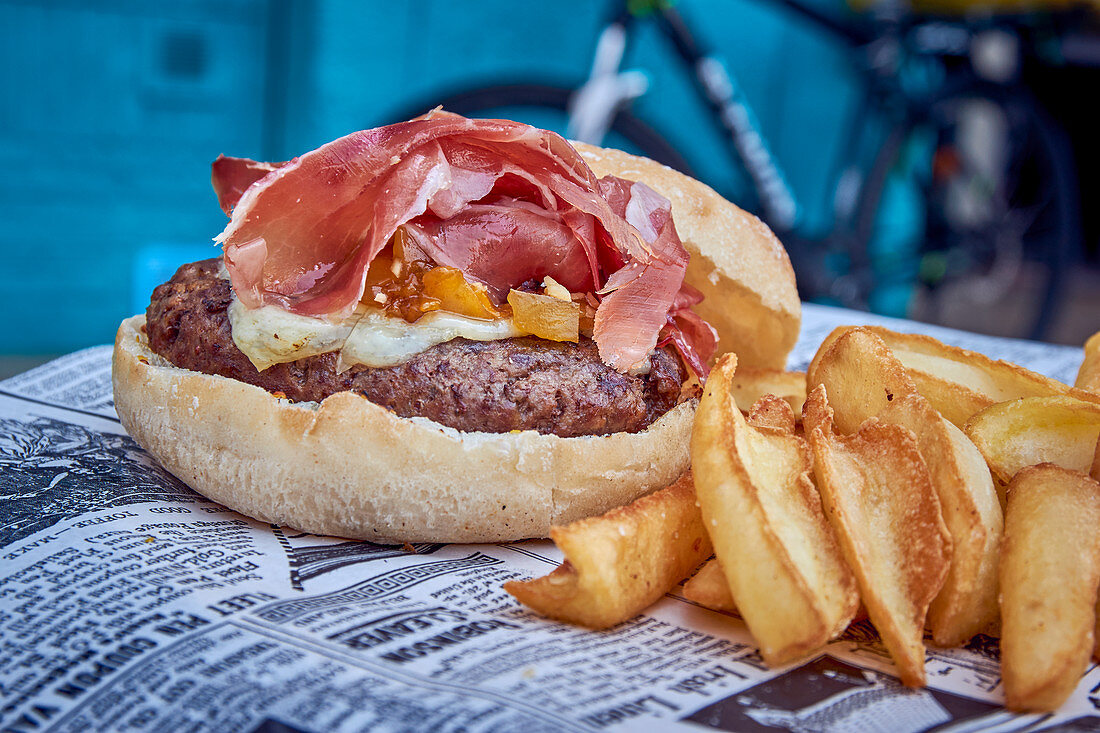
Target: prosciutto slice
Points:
(694, 338)
(492, 242)
(653, 273)
(502, 201)
(231, 176)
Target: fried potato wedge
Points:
(618, 564)
(772, 412)
(1060, 430)
(1050, 572)
(749, 385)
(863, 379)
(959, 382)
(879, 498)
(1095, 472)
(1088, 376)
(780, 557)
(709, 588)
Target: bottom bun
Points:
(350, 468)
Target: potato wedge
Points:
(1050, 572)
(1095, 472)
(878, 496)
(959, 382)
(749, 385)
(779, 555)
(772, 412)
(618, 564)
(863, 380)
(1088, 376)
(709, 588)
(1060, 430)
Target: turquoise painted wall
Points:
(112, 111)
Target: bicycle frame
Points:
(727, 100)
(608, 88)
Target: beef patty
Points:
(493, 386)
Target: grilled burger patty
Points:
(492, 386)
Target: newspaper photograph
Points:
(130, 602)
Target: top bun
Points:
(348, 467)
(736, 261)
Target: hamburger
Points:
(448, 330)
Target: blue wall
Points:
(112, 112)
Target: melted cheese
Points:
(270, 335)
(379, 340)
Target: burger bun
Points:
(350, 468)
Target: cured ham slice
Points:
(492, 243)
(232, 176)
(653, 273)
(502, 201)
(694, 338)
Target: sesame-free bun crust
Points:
(736, 261)
(350, 468)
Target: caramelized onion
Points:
(397, 287)
(545, 316)
(458, 295)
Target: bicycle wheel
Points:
(1000, 221)
(546, 106)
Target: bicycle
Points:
(927, 81)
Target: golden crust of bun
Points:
(350, 468)
(736, 261)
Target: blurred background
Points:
(930, 160)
